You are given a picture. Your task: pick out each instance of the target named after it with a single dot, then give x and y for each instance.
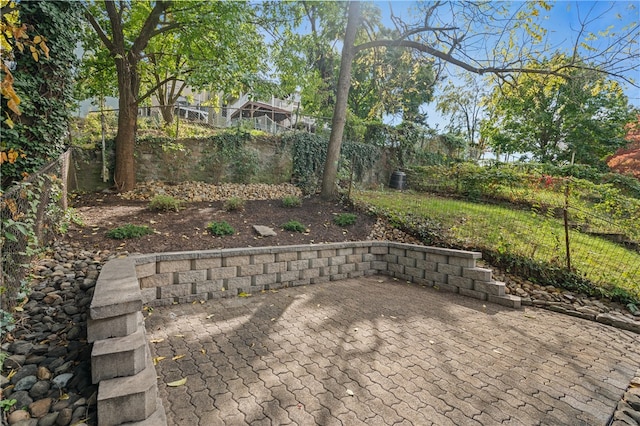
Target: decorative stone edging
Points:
(121, 361)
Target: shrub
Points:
(128, 231)
(294, 226)
(291, 201)
(165, 203)
(345, 219)
(220, 229)
(234, 204)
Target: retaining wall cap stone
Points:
(117, 291)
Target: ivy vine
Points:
(309, 152)
(44, 88)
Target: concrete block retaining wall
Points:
(120, 361)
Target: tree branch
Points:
(450, 59)
(149, 28)
(98, 29)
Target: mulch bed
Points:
(186, 229)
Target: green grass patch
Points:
(518, 235)
(291, 201)
(294, 226)
(234, 204)
(128, 231)
(165, 203)
(220, 229)
(345, 219)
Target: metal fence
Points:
(559, 223)
(30, 212)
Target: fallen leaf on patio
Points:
(209, 316)
(497, 351)
(177, 357)
(156, 340)
(349, 392)
(157, 359)
(64, 397)
(529, 316)
(177, 383)
(178, 335)
(432, 342)
(204, 351)
(273, 319)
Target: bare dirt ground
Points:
(186, 229)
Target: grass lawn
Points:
(521, 233)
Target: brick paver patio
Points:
(376, 351)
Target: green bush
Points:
(234, 204)
(220, 229)
(345, 219)
(291, 201)
(128, 231)
(165, 203)
(294, 226)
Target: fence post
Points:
(65, 165)
(565, 214)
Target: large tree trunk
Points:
(125, 173)
(340, 111)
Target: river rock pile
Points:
(48, 368)
(200, 191)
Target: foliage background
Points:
(45, 89)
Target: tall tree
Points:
(340, 111)
(156, 35)
(463, 104)
(556, 119)
(216, 56)
(489, 37)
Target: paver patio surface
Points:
(376, 351)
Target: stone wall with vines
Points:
(237, 156)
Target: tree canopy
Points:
(580, 118)
(156, 46)
(507, 41)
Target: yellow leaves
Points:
(157, 359)
(156, 340)
(34, 53)
(14, 35)
(177, 357)
(177, 383)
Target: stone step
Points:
(508, 300)
(128, 399)
(119, 356)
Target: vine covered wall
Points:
(237, 156)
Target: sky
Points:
(562, 22)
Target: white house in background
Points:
(273, 116)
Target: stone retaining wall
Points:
(120, 360)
